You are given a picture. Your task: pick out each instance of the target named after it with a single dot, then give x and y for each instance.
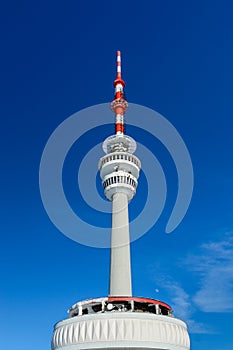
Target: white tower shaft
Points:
(120, 270)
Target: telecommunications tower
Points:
(120, 321)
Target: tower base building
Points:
(121, 323)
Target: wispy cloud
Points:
(183, 307)
(211, 266)
(214, 264)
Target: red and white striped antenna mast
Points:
(118, 65)
(119, 141)
(119, 105)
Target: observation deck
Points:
(120, 304)
(119, 172)
(120, 323)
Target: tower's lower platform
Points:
(121, 323)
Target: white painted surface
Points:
(120, 267)
(121, 330)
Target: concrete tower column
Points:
(120, 266)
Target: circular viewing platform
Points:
(120, 304)
(119, 172)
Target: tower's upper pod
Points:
(119, 168)
(119, 142)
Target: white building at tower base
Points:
(120, 323)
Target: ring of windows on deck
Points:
(120, 306)
(121, 156)
(120, 179)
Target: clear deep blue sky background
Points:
(58, 57)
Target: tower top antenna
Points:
(118, 64)
(118, 79)
(119, 104)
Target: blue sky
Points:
(58, 58)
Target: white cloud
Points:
(182, 305)
(214, 264)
